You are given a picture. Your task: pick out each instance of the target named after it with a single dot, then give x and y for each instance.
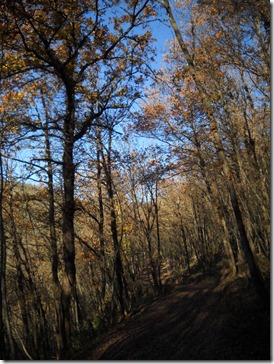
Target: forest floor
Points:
(208, 317)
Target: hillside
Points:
(206, 319)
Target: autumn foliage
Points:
(93, 224)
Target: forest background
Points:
(93, 223)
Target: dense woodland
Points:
(93, 222)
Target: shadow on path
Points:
(209, 320)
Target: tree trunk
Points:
(69, 280)
(118, 265)
(3, 352)
(156, 207)
(5, 327)
(102, 262)
(53, 243)
(68, 174)
(185, 247)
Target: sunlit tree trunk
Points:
(118, 264)
(159, 260)
(101, 212)
(7, 351)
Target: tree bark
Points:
(101, 213)
(53, 242)
(5, 327)
(118, 264)
(69, 280)
(159, 261)
(68, 174)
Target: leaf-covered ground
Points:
(212, 318)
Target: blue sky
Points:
(162, 34)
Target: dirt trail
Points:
(202, 320)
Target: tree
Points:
(55, 41)
(207, 100)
